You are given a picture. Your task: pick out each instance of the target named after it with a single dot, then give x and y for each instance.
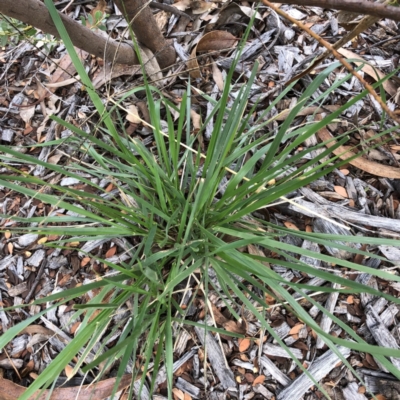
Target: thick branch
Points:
(33, 12)
(143, 23)
(360, 7)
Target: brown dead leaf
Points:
(373, 72)
(65, 70)
(178, 394)
(111, 252)
(211, 41)
(260, 379)
(372, 167)
(244, 344)
(55, 159)
(291, 225)
(69, 371)
(296, 329)
(341, 190)
(34, 329)
(216, 40)
(98, 390)
(85, 261)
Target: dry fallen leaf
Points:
(133, 114)
(217, 76)
(373, 72)
(296, 329)
(212, 41)
(69, 371)
(291, 225)
(258, 380)
(350, 299)
(111, 251)
(162, 18)
(178, 394)
(341, 190)
(372, 167)
(98, 390)
(244, 344)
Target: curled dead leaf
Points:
(212, 41)
(98, 390)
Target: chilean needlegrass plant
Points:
(184, 214)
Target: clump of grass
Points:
(184, 215)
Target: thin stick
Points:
(338, 56)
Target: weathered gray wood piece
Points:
(187, 387)
(380, 333)
(217, 359)
(329, 209)
(350, 392)
(319, 369)
(274, 371)
(277, 351)
(326, 322)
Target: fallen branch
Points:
(34, 12)
(356, 6)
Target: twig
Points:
(356, 6)
(342, 60)
(364, 24)
(171, 9)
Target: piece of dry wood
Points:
(333, 211)
(388, 387)
(278, 351)
(326, 322)
(217, 359)
(352, 392)
(380, 333)
(274, 371)
(319, 369)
